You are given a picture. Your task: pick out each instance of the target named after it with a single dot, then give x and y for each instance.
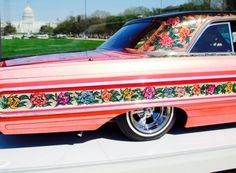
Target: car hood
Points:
(95, 55)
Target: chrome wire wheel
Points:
(150, 121)
(147, 123)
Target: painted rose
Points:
(13, 102)
(128, 93)
(168, 92)
(229, 87)
(149, 92)
(166, 40)
(86, 97)
(210, 89)
(190, 17)
(180, 92)
(63, 99)
(106, 96)
(184, 32)
(173, 21)
(38, 100)
(196, 90)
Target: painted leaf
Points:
(47, 104)
(24, 97)
(234, 88)
(22, 104)
(50, 97)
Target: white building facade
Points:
(29, 25)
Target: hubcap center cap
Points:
(148, 112)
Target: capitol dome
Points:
(28, 15)
(28, 24)
(28, 12)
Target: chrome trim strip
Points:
(231, 36)
(118, 82)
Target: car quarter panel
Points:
(205, 87)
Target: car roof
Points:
(163, 16)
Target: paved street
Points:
(204, 149)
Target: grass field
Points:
(20, 47)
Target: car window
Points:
(130, 36)
(216, 38)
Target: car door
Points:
(215, 45)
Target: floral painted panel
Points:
(177, 32)
(91, 97)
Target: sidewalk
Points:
(205, 149)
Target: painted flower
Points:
(184, 32)
(106, 96)
(190, 17)
(173, 21)
(86, 97)
(180, 91)
(210, 89)
(128, 93)
(196, 90)
(13, 102)
(38, 99)
(149, 92)
(168, 92)
(229, 87)
(63, 99)
(166, 40)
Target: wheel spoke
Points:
(138, 112)
(155, 116)
(142, 121)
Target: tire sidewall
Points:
(127, 128)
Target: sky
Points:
(51, 10)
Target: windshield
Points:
(130, 36)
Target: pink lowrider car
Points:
(150, 73)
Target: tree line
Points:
(103, 23)
(100, 22)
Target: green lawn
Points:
(20, 47)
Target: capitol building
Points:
(29, 25)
